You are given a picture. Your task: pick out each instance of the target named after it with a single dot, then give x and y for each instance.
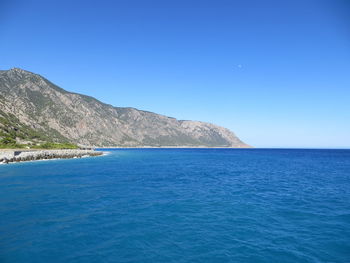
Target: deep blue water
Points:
(179, 205)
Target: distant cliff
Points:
(34, 109)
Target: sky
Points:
(277, 73)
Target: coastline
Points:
(13, 156)
(175, 147)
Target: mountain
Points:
(33, 109)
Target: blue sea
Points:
(179, 205)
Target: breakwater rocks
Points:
(9, 156)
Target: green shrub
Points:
(52, 145)
(7, 141)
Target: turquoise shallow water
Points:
(179, 205)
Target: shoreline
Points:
(172, 147)
(15, 156)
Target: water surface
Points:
(179, 205)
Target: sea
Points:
(179, 205)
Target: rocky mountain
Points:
(32, 108)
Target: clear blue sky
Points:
(277, 73)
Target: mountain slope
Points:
(35, 105)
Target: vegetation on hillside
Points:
(52, 145)
(12, 131)
(9, 143)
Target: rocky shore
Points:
(9, 156)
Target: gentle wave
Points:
(179, 205)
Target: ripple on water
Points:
(179, 205)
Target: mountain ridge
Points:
(47, 109)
